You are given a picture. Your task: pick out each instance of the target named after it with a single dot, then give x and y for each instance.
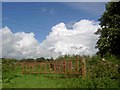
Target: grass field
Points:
(99, 75)
(40, 81)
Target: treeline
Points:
(41, 59)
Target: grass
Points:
(100, 74)
(39, 81)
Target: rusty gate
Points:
(67, 67)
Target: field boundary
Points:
(64, 67)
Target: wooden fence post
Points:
(83, 68)
(36, 67)
(44, 67)
(54, 67)
(70, 66)
(40, 67)
(30, 68)
(49, 68)
(59, 67)
(33, 68)
(27, 68)
(22, 65)
(64, 67)
(76, 66)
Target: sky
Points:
(40, 17)
(49, 29)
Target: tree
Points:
(41, 59)
(109, 40)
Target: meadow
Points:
(101, 73)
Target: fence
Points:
(66, 67)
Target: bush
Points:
(8, 69)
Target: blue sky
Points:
(39, 17)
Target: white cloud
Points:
(18, 45)
(80, 39)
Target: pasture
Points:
(99, 74)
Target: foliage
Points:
(69, 57)
(40, 59)
(109, 39)
(100, 74)
(8, 69)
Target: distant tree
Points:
(30, 60)
(109, 40)
(42, 59)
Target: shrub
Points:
(8, 69)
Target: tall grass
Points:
(101, 73)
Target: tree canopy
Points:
(109, 40)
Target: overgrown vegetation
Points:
(101, 73)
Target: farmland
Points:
(99, 74)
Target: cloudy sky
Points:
(31, 30)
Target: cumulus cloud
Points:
(18, 45)
(79, 39)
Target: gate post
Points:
(83, 68)
(76, 66)
(22, 65)
(40, 68)
(33, 68)
(70, 63)
(64, 67)
(54, 67)
(44, 68)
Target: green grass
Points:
(100, 74)
(39, 81)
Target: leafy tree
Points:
(109, 40)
